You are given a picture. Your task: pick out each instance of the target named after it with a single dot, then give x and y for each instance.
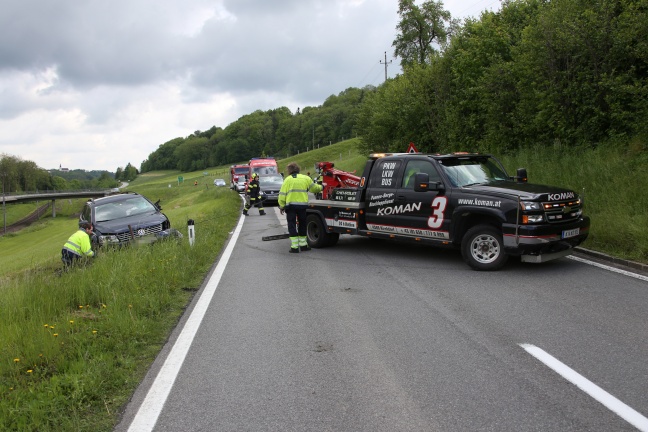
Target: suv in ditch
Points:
(125, 217)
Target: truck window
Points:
(465, 172)
(419, 166)
(384, 174)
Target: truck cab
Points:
(461, 200)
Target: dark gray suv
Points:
(122, 218)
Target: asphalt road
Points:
(374, 335)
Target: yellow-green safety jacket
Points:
(79, 244)
(295, 188)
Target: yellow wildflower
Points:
(16, 360)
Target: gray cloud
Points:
(119, 78)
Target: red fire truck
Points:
(236, 172)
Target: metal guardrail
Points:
(47, 191)
(29, 196)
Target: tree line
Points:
(565, 73)
(276, 132)
(19, 175)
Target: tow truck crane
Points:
(333, 178)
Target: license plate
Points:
(570, 233)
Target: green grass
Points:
(75, 345)
(15, 212)
(612, 180)
(344, 155)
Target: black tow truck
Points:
(459, 200)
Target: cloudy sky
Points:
(97, 84)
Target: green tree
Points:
(422, 31)
(105, 180)
(130, 173)
(163, 158)
(59, 183)
(9, 172)
(192, 154)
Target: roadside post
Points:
(4, 209)
(191, 231)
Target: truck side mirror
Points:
(521, 175)
(157, 205)
(422, 183)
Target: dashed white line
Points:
(630, 415)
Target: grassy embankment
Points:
(15, 212)
(75, 346)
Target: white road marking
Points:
(612, 269)
(282, 218)
(149, 411)
(633, 417)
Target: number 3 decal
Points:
(438, 207)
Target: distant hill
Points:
(79, 174)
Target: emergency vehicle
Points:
(263, 166)
(236, 172)
(460, 200)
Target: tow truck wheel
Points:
(316, 233)
(482, 248)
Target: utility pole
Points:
(4, 209)
(385, 63)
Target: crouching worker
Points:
(78, 245)
(293, 200)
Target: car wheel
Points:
(316, 233)
(483, 249)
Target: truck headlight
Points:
(528, 205)
(529, 219)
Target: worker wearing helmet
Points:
(293, 201)
(253, 192)
(78, 245)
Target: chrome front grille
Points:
(140, 232)
(562, 211)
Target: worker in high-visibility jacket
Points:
(293, 201)
(253, 192)
(78, 245)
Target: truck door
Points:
(395, 207)
(381, 195)
(421, 214)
